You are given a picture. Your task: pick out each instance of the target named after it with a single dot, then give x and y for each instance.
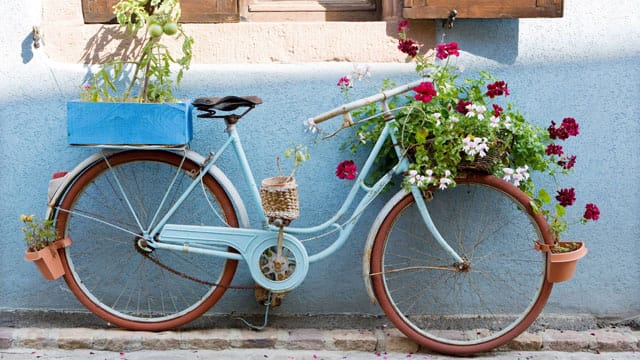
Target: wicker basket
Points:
(496, 154)
(279, 196)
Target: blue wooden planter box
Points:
(113, 123)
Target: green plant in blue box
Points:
(129, 99)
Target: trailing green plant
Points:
(144, 73)
(38, 234)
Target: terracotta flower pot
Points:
(48, 259)
(561, 265)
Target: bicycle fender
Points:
(375, 226)
(58, 186)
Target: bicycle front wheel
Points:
(474, 306)
(116, 275)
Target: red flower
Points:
(566, 197)
(571, 126)
(347, 170)
(408, 47)
(553, 149)
(462, 106)
(425, 91)
(497, 110)
(557, 132)
(403, 26)
(446, 50)
(567, 162)
(591, 212)
(497, 88)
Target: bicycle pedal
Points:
(262, 296)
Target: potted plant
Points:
(43, 245)
(129, 99)
(450, 125)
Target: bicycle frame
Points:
(250, 242)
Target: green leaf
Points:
(544, 196)
(560, 211)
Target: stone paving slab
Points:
(370, 341)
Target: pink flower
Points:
(446, 50)
(566, 197)
(591, 212)
(498, 88)
(425, 91)
(408, 47)
(347, 170)
(344, 82)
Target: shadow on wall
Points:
(473, 35)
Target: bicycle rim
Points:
(110, 271)
(447, 308)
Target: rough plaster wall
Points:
(583, 65)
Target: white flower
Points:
(475, 145)
(361, 71)
(437, 116)
(507, 122)
(508, 172)
(429, 177)
(480, 109)
(362, 138)
(494, 121)
(309, 125)
(454, 119)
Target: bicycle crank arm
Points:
(276, 271)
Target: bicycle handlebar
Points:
(343, 109)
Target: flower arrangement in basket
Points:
(279, 194)
(450, 125)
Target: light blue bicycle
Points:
(158, 233)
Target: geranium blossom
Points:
(566, 197)
(475, 145)
(446, 50)
(553, 149)
(591, 212)
(445, 181)
(345, 82)
(347, 170)
(462, 106)
(497, 88)
(408, 47)
(425, 91)
(567, 162)
(309, 125)
(361, 72)
(518, 175)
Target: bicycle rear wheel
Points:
(475, 306)
(106, 210)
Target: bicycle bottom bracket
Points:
(278, 271)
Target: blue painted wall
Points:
(584, 65)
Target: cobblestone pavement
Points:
(295, 344)
(273, 354)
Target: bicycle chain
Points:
(189, 277)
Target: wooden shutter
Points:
(193, 11)
(485, 9)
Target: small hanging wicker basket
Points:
(279, 196)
